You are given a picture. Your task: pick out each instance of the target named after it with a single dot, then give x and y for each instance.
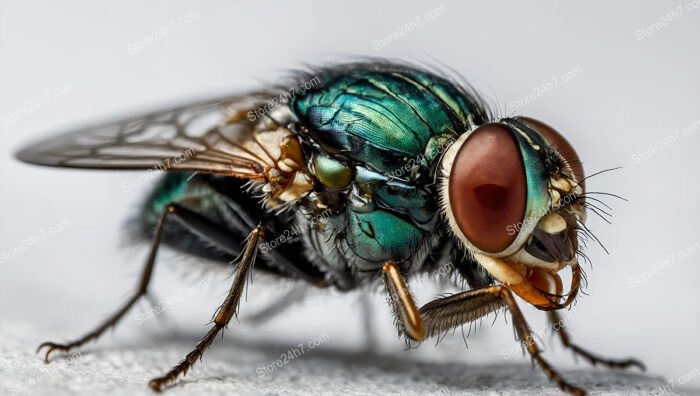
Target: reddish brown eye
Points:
(487, 188)
(559, 142)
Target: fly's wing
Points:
(215, 136)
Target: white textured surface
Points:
(230, 368)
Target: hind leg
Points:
(141, 290)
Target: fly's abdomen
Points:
(184, 189)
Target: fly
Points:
(374, 173)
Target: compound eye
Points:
(488, 187)
(559, 142)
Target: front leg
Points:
(555, 319)
(446, 313)
(407, 316)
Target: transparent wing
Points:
(215, 136)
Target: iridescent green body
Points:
(380, 171)
(372, 136)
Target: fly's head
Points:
(512, 192)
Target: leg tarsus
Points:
(157, 384)
(93, 335)
(593, 359)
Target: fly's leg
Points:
(141, 290)
(367, 323)
(555, 320)
(445, 313)
(223, 314)
(279, 305)
(407, 316)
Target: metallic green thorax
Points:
(379, 133)
(386, 117)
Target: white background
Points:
(627, 95)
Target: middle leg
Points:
(222, 316)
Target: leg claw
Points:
(156, 384)
(52, 347)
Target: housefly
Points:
(361, 173)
